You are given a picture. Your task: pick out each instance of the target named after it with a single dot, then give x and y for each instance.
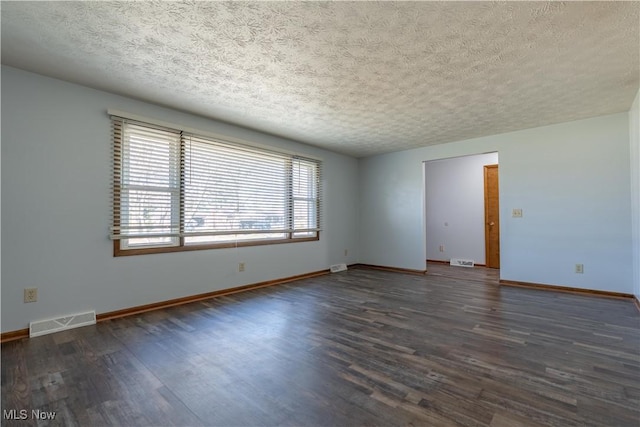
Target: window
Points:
(175, 191)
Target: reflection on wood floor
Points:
(362, 347)
(481, 274)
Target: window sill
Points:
(118, 252)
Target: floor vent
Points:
(336, 268)
(43, 327)
(461, 262)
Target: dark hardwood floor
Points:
(362, 347)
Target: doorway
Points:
(455, 225)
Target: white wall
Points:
(572, 181)
(634, 142)
(55, 210)
(454, 192)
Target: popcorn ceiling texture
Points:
(359, 78)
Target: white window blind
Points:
(146, 185)
(173, 188)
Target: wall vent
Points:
(336, 268)
(43, 327)
(458, 262)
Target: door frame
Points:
(425, 201)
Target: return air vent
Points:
(43, 327)
(336, 268)
(458, 262)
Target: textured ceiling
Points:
(355, 77)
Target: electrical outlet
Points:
(30, 295)
(579, 268)
(441, 248)
(241, 266)
(516, 213)
(346, 252)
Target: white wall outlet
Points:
(241, 266)
(441, 248)
(516, 213)
(580, 268)
(346, 252)
(30, 295)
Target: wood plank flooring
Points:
(362, 347)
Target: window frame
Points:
(121, 246)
